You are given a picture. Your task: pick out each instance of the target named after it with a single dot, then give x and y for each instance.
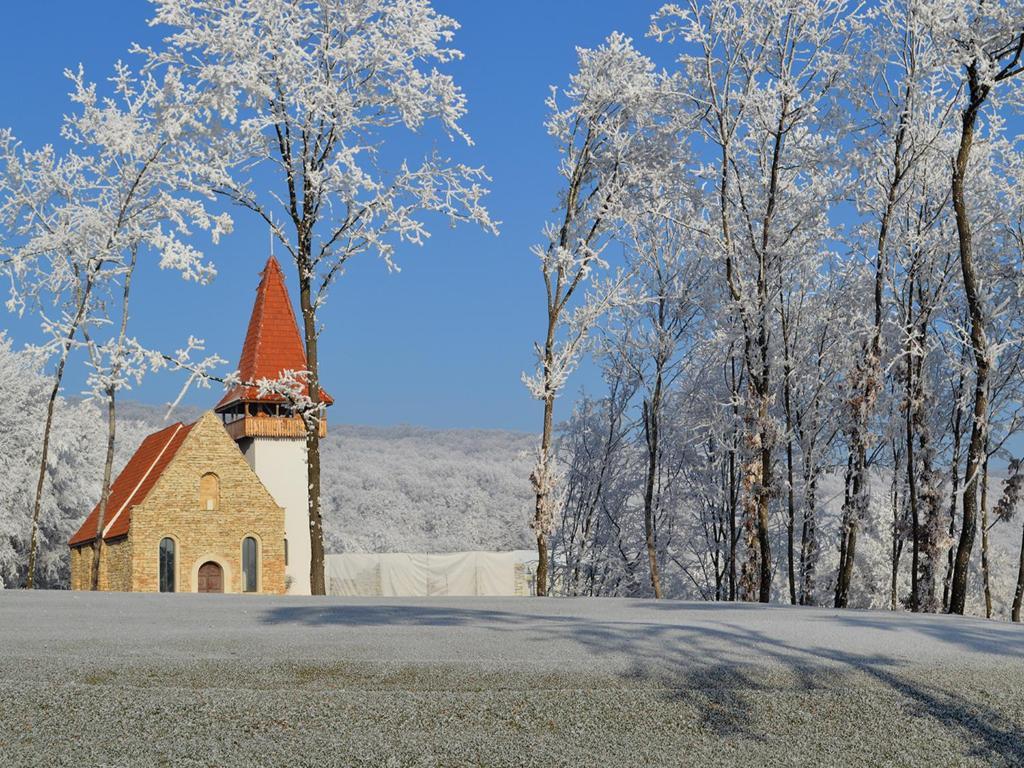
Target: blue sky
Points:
(443, 342)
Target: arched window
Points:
(209, 491)
(250, 564)
(167, 564)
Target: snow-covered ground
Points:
(113, 679)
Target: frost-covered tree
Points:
(763, 76)
(907, 112)
(1006, 509)
(594, 550)
(73, 469)
(654, 326)
(905, 237)
(824, 405)
(73, 222)
(984, 48)
(308, 99)
(609, 128)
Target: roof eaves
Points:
(128, 501)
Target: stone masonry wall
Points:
(80, 558)
(172, 509)
(115, 566)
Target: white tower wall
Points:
(280, 463)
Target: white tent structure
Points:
(457, 574)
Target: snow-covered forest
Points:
(394, 489)
(397, 489)
(793, 246)
(797, 255)
(74, 469)
(411, 489)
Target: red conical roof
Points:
(272, 342)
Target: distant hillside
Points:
(411, 489)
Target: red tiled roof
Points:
(134, 483)
(272, 342)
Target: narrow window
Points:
(209, 491)
(167, 565)
(250, 564)
(286, 551)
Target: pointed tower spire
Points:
(272, 342)
(273, 440)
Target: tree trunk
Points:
(868, 386)
(984, 539)
(765, 591)
(733, 535)
(790, 525)
(541, 487)
(809, 539)
(542, 565)
(763, 460)
(317, 585)
(955, 471)
(733, 484)
(58, 378)
(1018, 595)
(912, 500)
(651, 416)
(757, 472)
(979, 346)
(108, 461)
(541, 477)
(897, 540)
(790, 495)
(848, 534)
(37, 506)
(108, 471)
(765, 438)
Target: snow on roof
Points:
(272, 342)
(134, 483)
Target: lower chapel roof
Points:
(134, 483)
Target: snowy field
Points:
(190, 680)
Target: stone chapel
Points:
(220, 505)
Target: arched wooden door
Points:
(211, 577)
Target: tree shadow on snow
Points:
(723, 667)
(978, 635)
(971, 634)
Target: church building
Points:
(220, 505)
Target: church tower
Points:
(273, 440)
